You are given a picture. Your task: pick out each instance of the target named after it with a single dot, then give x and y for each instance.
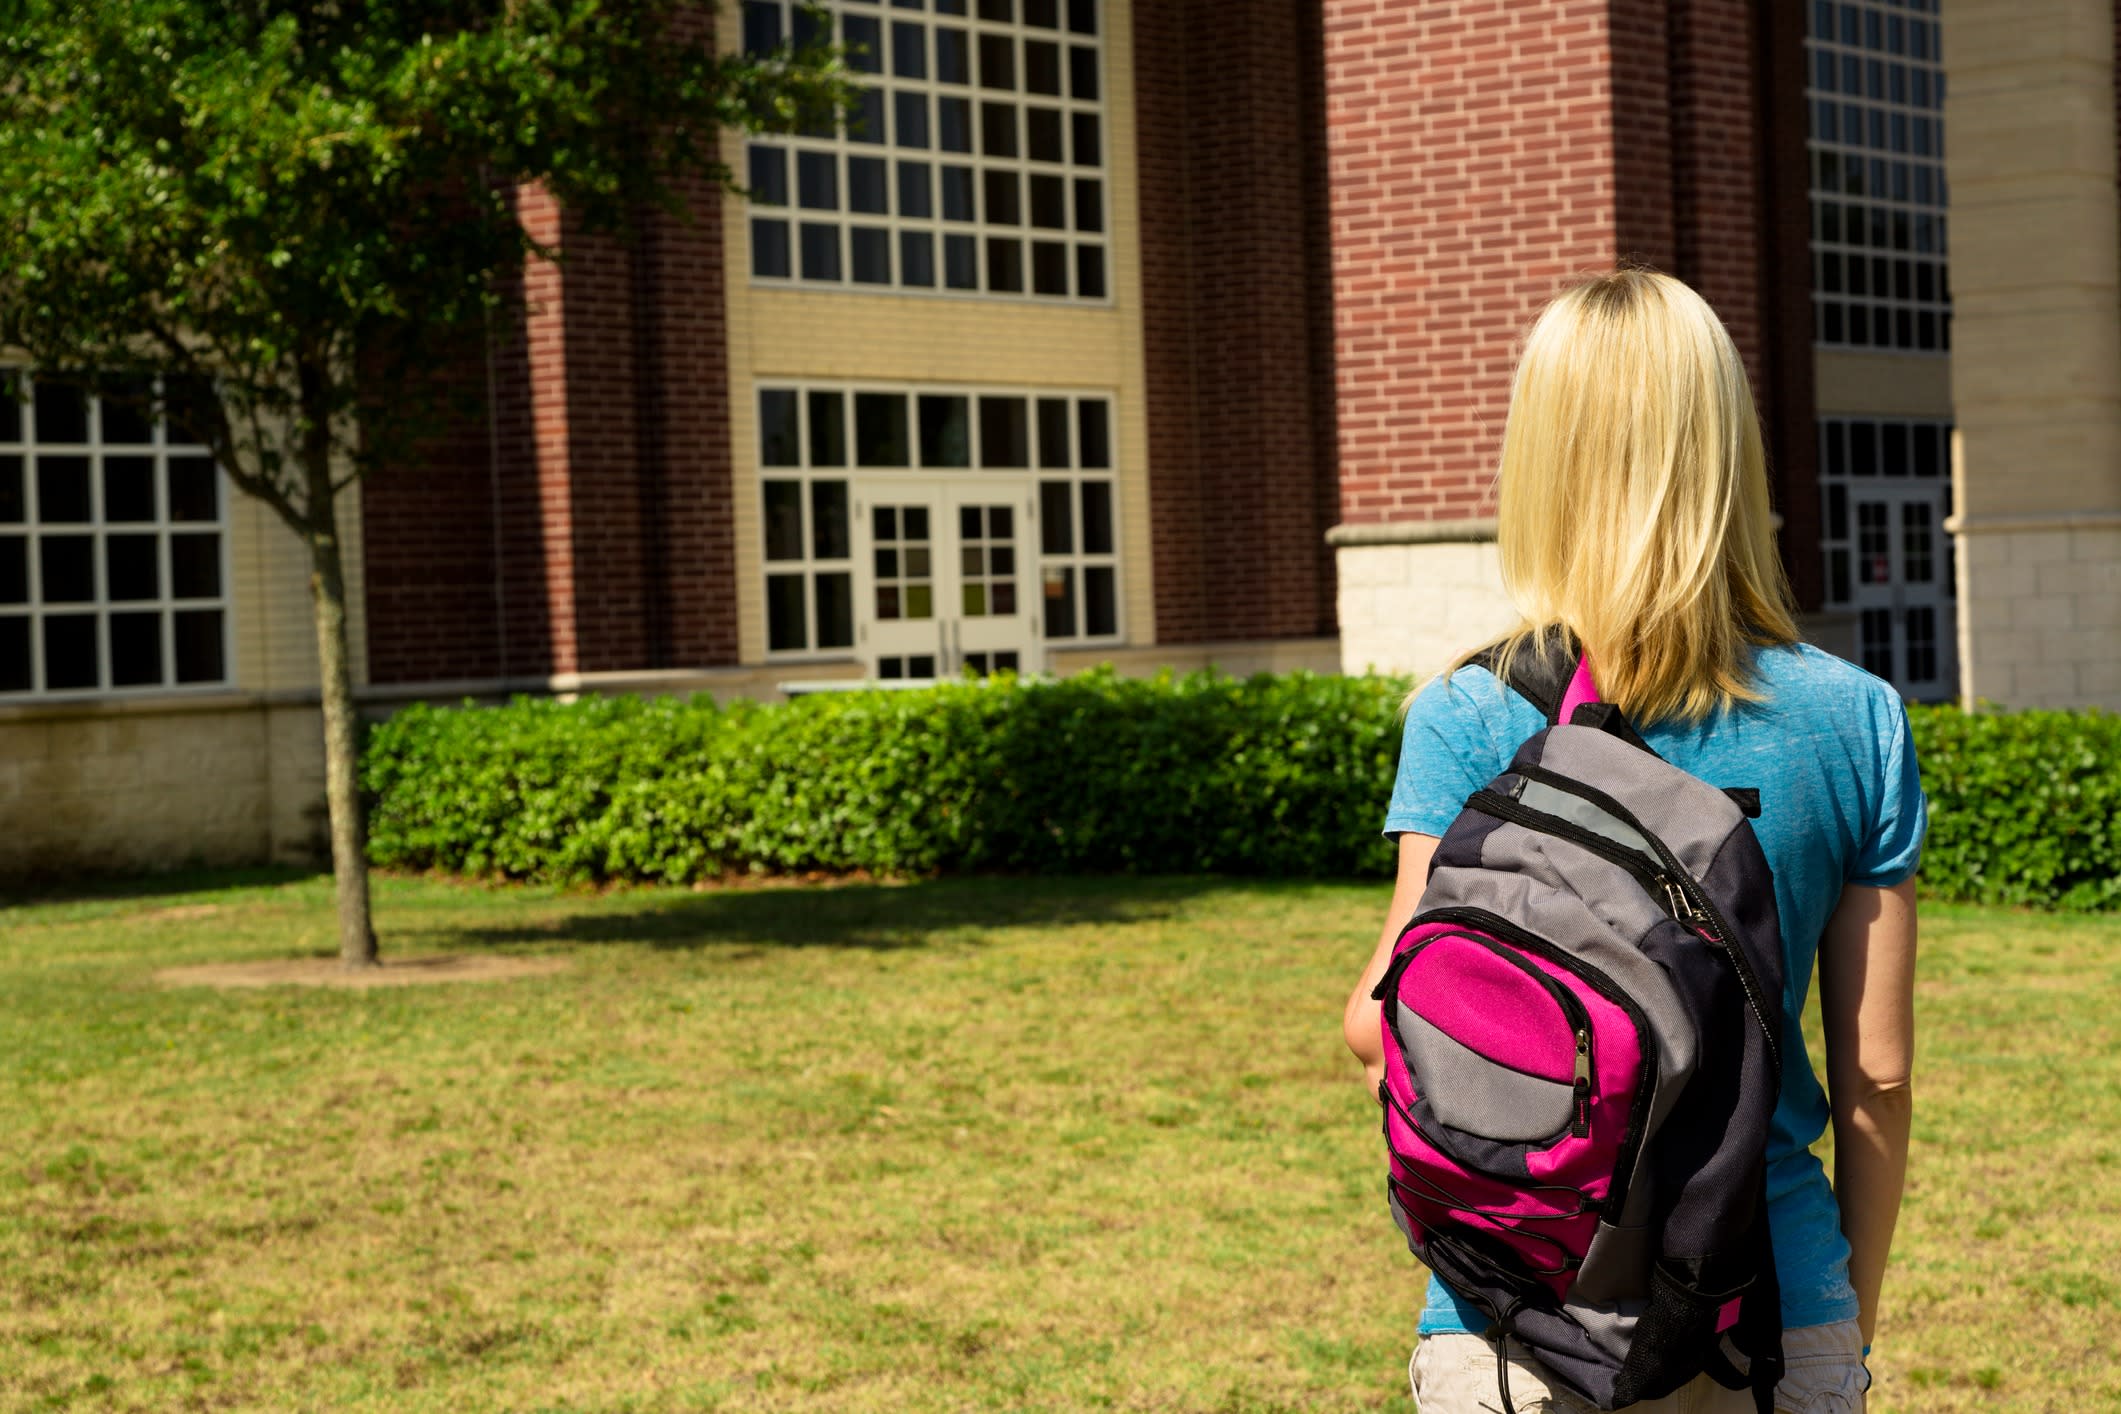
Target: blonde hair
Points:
(1634, 500)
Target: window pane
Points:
(880, 429)
(1049, 203)
(1042, 67)
(1095, 449)
(1100, 601)
(1056, 528)
(786, 628)
(62, 413)
(1053, 433)
(1000, 11)
(916, 194)
(1049, 268)
(1088, 143)
(916, 257)
(62, 490)
(762, 26)
(867, 186)
(769, 175)
(817, 180)
(1005, 265)
(1044, 14)
(953, 60)
(14, 501)
(911, 110)
(864, 38)
(909, 53)
(872, 255)
(132, 567)
(128, 489)
(829, 538)
(69, 651)
(1082, 16)
(821, 252)
(835, 610)
(769, 250)
(195, 566)
(1043, 139)
(14, 569)
(957, 194)
(136, 650)
(1097, 517)
(997, 127)
(828, 429)
(199, 648)
(778, 445)
(960, 262)
(1004, 433)
(1004, 206)
(128, 415)
(14, 656)
(1058, 584)
(67, 569)
(194, 490)
(953, 124)
(997, 61)
(10, 406)
(1089, 204)
(784, 520)
(946, 438)
(1082, 74)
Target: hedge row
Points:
(1272, 775)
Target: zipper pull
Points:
(1582, 1127)
(1676, 900)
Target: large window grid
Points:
(1885, 491)
(1875, 80)
(113, 550)
(821, 445)
(976, 165)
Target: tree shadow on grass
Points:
(21, 891)
(873, 916)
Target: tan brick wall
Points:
(2041, 619)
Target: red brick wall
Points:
(1233, 326)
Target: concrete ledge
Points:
(2056, 520)
(217, 700)
(1477, 530)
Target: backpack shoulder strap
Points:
(1541, 678)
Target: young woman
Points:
(1634, 514)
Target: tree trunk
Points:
(342, 791)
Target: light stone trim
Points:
(2012, 525)
(1475, 530)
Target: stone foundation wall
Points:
(2040, 617)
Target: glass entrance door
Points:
(1885, 488)
(946, 576)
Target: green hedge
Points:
(1272, 775)
(1275, 775)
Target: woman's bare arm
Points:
(1867, 1002)
(1359, 1021)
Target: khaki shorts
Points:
(1824, 1374)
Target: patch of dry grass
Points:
(977, 1144)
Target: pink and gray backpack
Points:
(1582, 1030)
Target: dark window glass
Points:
(62, 413)
(1100, 600)
(953, 57)
(63, 490)
(828, 429)
(946, 437)
(1082, 16)
(1049, 268)
(1056, 522)
(1097, 517)
(1000, 11)
(1082, 74)
(762, 26)
(67, 568)
(866, 123)
(1837, 513)
(828, 520)
(132, 567)
(961, 262)
(909, 54)
(950, 7)
(778, 443)
(1877, 625)
(1005, 265)
(1004, 204)
(821, 252)
(817, 180)
(1058, 583)
(811, 30)
(916, 191)
(912, 113)
(1863, 449)
(769, 175)
(1838, 577)
(14, 569)
(1049, 202)
(135, 650)
(1004, 432)
(868, 188)
(1042, 135)
(195, 566)
(769, 250)
(14, 656)
(953, 129)
(1094, 441)
(1053, 433)
(14, 499)
(1835, 437)
(871, 249)
(1087, 149)
(1928, 458)
(916, 259)
(997, 61)
(10, 406)
(128, 415)
(997, 122)
(880, 429)
(1042, 14)
(786, 614)
(199, 645)
(1042, 67)
(1090, 271)
(784, 520)
(864, 37)
(1896, 459)
(69, 651)
(891, 669)
(835, 610)
(957, 194)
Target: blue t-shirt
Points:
(1840, 803)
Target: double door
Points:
(945, 577)
(1899, 582)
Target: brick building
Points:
(1157, 334)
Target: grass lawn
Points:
(977, 1144)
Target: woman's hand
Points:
(1359, 1023)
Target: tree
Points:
(271, 218)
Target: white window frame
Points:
(843, 220)
(165, 530)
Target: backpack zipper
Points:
(1680, 885)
